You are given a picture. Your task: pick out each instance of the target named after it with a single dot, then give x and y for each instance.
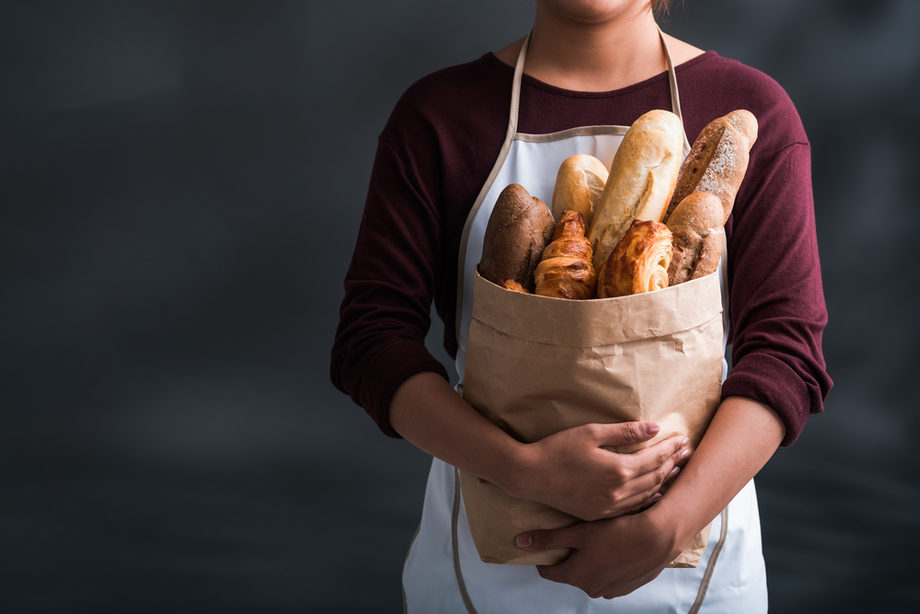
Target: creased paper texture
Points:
(536, 365)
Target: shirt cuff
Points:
(768, 380)
(394, 364)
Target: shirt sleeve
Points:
(777, 308)
(385, 315)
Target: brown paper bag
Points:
(536, 365)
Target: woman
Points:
(590, 66)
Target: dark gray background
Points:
(181, 187)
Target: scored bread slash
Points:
(717, 160)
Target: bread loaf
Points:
(697, 228)
(518, 230)
(579, 184)
(718, 160)
(566, 270)
(641, 180)
(638, 263)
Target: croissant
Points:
(510, 284)
(566, 270)
(638, 263)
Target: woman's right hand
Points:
(569, 470)
(572, 470)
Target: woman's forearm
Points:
(742, 437)
(572, 470)
(430, 414)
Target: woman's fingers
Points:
(651, 468)
(574, 471)
(637, 503)
(668, 451)
(622, 433)
(644, 490)
(549, 539)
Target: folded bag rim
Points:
(575, 323)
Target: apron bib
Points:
(443, 571)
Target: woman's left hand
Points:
(610, 557)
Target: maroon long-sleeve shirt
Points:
(436, 152)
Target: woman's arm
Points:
(743, 436)
(616, 556)
(569, 470)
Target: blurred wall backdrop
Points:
(181, 188)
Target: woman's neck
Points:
(593, 55)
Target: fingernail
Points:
(684, 441)
(651, 428)
(524, 540)
(674, 472)
(684, 454)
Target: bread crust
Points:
(718, 160)
(642, 178)
(579, 184)
(696, 225)
(518, 230)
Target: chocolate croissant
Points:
(566, 270)
(638, 263)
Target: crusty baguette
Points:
(518, 230)
(642, 178)
(638, 263)
(579, 184)
(696, 226)
(718, 160)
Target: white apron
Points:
(443, 572)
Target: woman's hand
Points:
(569, 470)
(610, 557)
(573, 472)
(616, 556)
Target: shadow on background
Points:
(182, 185)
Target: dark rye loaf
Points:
(519, 228)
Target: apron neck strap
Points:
(516, 89)
(519, 72)
(675, 95)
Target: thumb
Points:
(625, 433)
(546, 539)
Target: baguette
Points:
(642, 178)
(718, 160)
